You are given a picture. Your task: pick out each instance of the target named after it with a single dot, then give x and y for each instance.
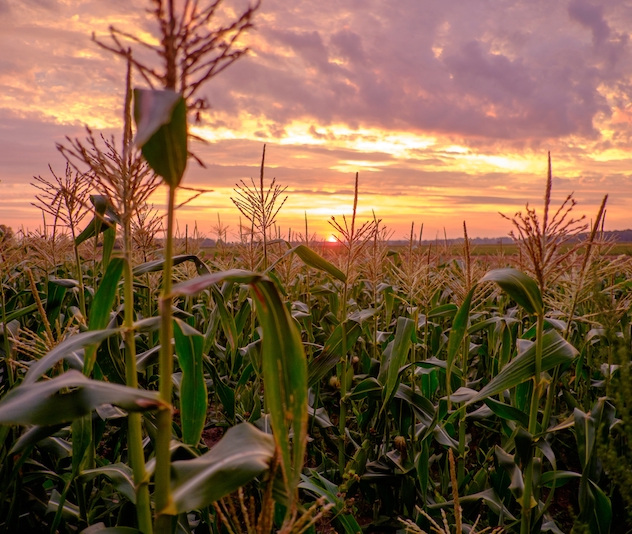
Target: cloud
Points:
(518, 71)
(591, 17)
(471, 94)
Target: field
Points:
(279, 384)
(418, 369)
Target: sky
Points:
(446, 109)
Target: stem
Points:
(8, 360)
(525, 523)
(264, 221)
(135, 433)
(164, 417)
(342, 373)
(465, 345)
(82, 293)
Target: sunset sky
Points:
(446, 108)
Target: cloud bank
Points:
(452, 106)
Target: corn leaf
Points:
(284, 365)
(316, 261)
(102, 307)
(556, 351)
(520, 287)
(158, 265)
(68, 397)
(161, 119)
(119, 474)
(66, 350)
(395, 356)
(195, 285)
(458, 331)
(332, 351)
(104, 217)
(369, 387)
(241, 455)
(100, 528)
(285, 379)
(226, 319)
(193, 399)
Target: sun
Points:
(332, 239)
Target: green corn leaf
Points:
(601, 514)
(488, 496)
(104, 218)
(161, 119)
(585, 433)
(369, 387)
(524, 447)
(319, 486)
(395, 356)
(421, 406)
(226, 394)
(68, 397)
(332, 351)
(109, 240)
(520, 287)
(193, 399)
(102, 307)
(158, 265)
(505, 411)
(508, 463)
(309, 257)
(556, 351)
(241, 455)
(100, 528)
(444, 310)
(458, 331)
(200, 283)
(283, 364)
(66, 350)
(285, 379)
(587, 428)
(34, 435)
(557, 478)
(21, 312)
(82, 447)
(56, 292)
(316, 261)
(226, 319)
(119, 474)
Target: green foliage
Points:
(161, 118)
(341, 378)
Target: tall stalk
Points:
(353, 240)
(525, 522)
(135, 433)
(465, 350)
(8, 359)
(164, 418)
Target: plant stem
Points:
(525, 523)
(342, 373)
(82, 293)
(164, 417)
(8, 359)
(135, 433)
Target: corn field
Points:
(281, 384)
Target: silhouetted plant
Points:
(260, 205)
